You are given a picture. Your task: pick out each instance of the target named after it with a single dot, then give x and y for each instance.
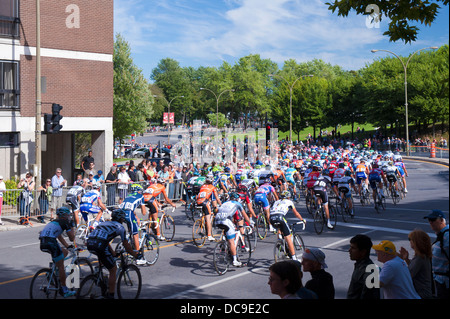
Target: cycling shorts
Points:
(290, 180)
(373, 180)
(131, 220)
(322, 194)
(360, 176)
(346, 190)
(73, 202)
(227, 225)
(400, 169)
(101, 249)
(261, 199)
(87, 209)
(391, 177)
(50, 245)
(278, 221)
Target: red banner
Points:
(169, 118)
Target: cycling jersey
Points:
(361, 171)
(99, 239)
(401, 168)
(290, 172)
(224, 219)
(345, 184)
(48, 236)
(206, 192)
(72, 196)
(153, 191)
(89, 204)
(129, 204)
(261, 195)
(320, 188)
(312, 178)
(277, 215)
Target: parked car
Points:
(141, 152)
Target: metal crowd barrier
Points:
(16, 204)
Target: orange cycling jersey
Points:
(153, 191)
(361, 168)
(205, 193)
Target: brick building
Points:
(77, 43)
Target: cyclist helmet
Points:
(348, 173)
(285, 194)
(375, 165)
(95, 185)
(63, 212)
(326, 172)
(160, 180)
(267, 180)
(234, 196)
(136, 188)
(119, 215)
(341, 165)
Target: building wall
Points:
(77, 43)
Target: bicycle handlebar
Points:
(302, 222)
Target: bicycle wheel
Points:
(168, 227)
(299, 246)
(319, 221)
(383, 202)
(261, 226)
(279, 251)
(221, 257)
(92, 287)
(199, 232)
(150, 249)
(244, 250)
(129, 283)
(310, 204)
(344, 210)
(44, 285)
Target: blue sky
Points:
(208, 32)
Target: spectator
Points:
(395, 278)
(90, 170)
(284, 279)
(123, 180)
(45, 198)
(111, 186)
(321, 282)
(58, 182)
(420, 265)
(131, 172)
(25, 198)
(99, 178)
(85, 163)
(359, 252)
(440, 250)
(79, 180)
(2, 189)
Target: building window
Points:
(9, 18)
(9, 139)
(9, 85)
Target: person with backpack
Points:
(440, 259)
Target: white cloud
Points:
(204, 30)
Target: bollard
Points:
(433, 150)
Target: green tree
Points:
(132, 96)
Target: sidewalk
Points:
(443, 161)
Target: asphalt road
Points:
(184, 271)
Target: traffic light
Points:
(51, 121)
(268, 127)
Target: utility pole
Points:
(37, 166)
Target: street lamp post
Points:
(291, 87)
(217, 103)
(405, 67)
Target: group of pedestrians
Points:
(424, 276)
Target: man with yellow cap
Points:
(395, 278)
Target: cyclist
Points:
(98, 243)
(208, 194)
(392, 174)
(280, 178)
(398, 161)
(320, 189)
(73, 198)
(345, 184)
(49, 237)
(263, 195)
(375, 176)
(91, 203)
(230, 215)
(134, 200)
(291, 175)
(277, 218)
(243, 190)
(362, 172)
(151, 202)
